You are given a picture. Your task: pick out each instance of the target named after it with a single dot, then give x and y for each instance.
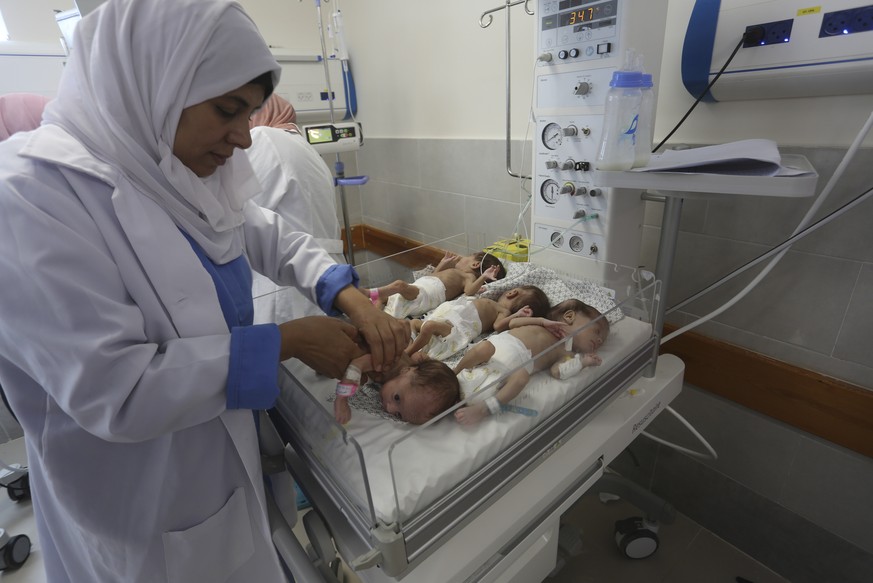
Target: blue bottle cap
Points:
(626, 79)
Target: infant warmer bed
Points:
(393, 494)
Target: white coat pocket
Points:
(221, 544)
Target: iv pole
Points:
(340, 179)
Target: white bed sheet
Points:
(433, 459)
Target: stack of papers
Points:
(744, 158)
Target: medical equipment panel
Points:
(577, 224)
(329, 138)
(788, 49)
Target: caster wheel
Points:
(15, 552)
(636, 538)
(19, 489)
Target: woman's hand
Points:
(322, 343)
(384, 335)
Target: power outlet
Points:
(845, 22)
(768, 33)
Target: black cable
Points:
(703, 94)
(787, 242)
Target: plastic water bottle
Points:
(643, 149)
(617, 149)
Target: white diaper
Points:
(432, 293)
(509, 352)
(466, 325)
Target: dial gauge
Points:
(553, 135)
(550, 191)
(557, 240)
(576, 243)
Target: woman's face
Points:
(209, 132)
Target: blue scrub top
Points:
(252, 378)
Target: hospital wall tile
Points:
(487, 220)
(832, 486)
(787, 543)
(374, 201)
(802, 301)
(472, 167)
(422, 214)
(855, 341)
(701, 260)
(391, 160)
(755, 219)
(752, 449)
(693, 215)
(849, 236)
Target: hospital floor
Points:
(687, 552)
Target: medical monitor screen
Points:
(587, 14)
(319, 135)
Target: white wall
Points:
(425, 69)
(33, 21)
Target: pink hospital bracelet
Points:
(346, 389)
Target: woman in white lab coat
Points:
(126, 345)
(298, 186)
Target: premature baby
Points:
(416, 390)
(453, 276)
(453, 325)
(494, 357)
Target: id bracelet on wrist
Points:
(346, 389)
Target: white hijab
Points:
(135, 65)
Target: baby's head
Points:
(418, 392)
(577, 314)
(486, 260)
(526, 295)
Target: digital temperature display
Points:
(586, 14)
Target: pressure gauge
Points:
(557, 239)
(553, 135)
(550, 191)
(576, 244)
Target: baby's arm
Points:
(348, 386)
(558, 329)
(570, 364)
(448, 261)
(473, 287)
(504, 322)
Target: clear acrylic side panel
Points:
(332, 455)
(435, 460)
(380, 264)
(331, 451)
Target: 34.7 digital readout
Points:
(586, 14)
